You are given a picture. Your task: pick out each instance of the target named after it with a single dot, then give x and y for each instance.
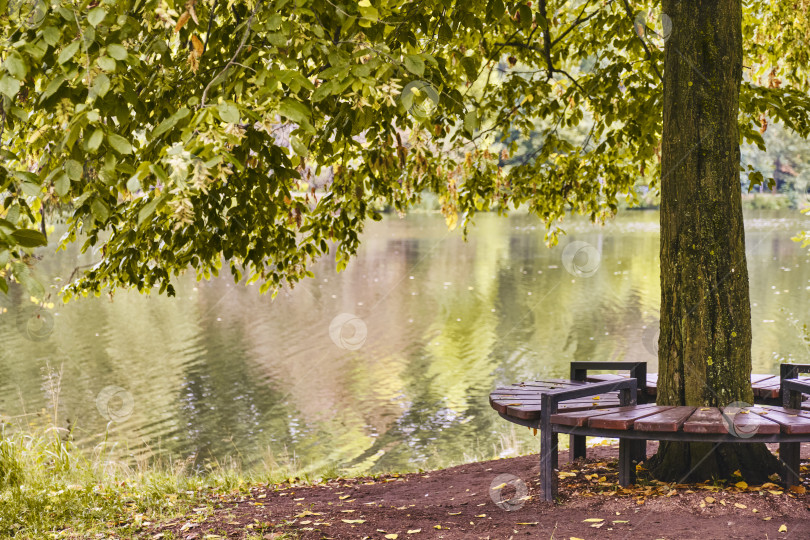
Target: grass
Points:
(50, 489)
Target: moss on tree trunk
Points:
(705, 341)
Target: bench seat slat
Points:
(580, 418)
(623, 419)
(669, 420)
(745, 422)
(705, 420)
(790, 420)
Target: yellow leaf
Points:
(391, 536)
(414, 531)
(528, 523)
(592, 520)
(454, 513)
(344, 497)
(774, 492)
(767, 518)
(783, 528)
(737, 473)
(181, 22)
(481, 515)
(439, 527)
(353, 520)
(197, 44)
(738, 505)
(801, 490)
(709, 500)
(741, 485)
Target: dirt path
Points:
(458, 503)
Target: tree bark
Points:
(704, 349)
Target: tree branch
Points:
(643, 44)
(233, 58)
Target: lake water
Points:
(386, 366)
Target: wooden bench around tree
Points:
(522, 403)
(634, 424)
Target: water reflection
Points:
(221, 371)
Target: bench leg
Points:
(639, 451)
(789, 454)
(577, 449)
(627, 469)
(548, 464)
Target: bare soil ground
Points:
(460, 502)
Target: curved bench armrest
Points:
(792, 390)
(638, 370)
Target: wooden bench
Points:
(521, 402)
(635, 424)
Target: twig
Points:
(233, 58)
(208, 32)
(643, 44)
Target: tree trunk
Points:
(704, 349)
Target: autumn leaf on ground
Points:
(414, 531)
(783, 528)
(392, 536)
(353, 520)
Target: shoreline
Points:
(485, 500)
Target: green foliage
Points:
(183, 135)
